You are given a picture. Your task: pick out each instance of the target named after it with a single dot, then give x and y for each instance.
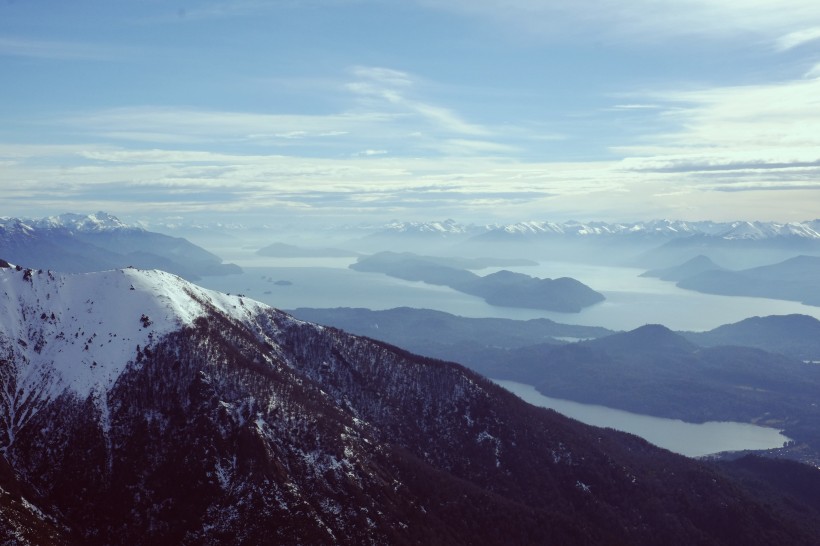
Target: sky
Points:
(346, 111)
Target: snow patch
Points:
(78, 332)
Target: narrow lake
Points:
(690, 439)
(632, 301)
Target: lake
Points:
(690, 439)
(632, 301)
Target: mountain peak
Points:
(98, 221)
(90, 325)
(646, 338)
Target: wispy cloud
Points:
(380, 107)
(391, 89)
(777, 123)
(797, 38)
(180, 125)
(642, 20)
(63, 51)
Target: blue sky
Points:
(339, 111)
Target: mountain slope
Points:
(481, 344)
(793, 279)
(211, 419)
(95, 242)
(698, 264)
(797, 336)
(654, 371)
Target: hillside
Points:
(793, 279)
(797, 336)
(140, 409)
(749, 372)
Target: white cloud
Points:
(479, 186)
(775, 123)
(797, 38)
(813, 72)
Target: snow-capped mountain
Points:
(76, 324)
(445, 227)
(137, 408)
(82, 243)
(766, 230)
(665, 228)
(654, 228)
(99, 221)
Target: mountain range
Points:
(138, 408)
(654, 228)
(95, 242)
(650, 244)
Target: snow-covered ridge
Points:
(99, 221)
(445, 227)
(79, 331)
(78, 223)
(662, 228)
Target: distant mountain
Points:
(648, 370)
(797, 336)
(284, 250)
(653, 228)
(658, 229)
(140, 409)
(441, 229)
(502, 288)
(732, 252)
(657, 372)
(76, 243)
(795, 279)
(698, 264)
(482, 344)
(649, 244)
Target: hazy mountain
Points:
(446, 228)
(657, 229)
(482, 344)
(698, 264)
(638, 244)
(140, 409)
(649, 370)
(655, 371)
(502, 288)
(794, 279)
(732, 252)
(78, 243)
(797, 336)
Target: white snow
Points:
(78, 332)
